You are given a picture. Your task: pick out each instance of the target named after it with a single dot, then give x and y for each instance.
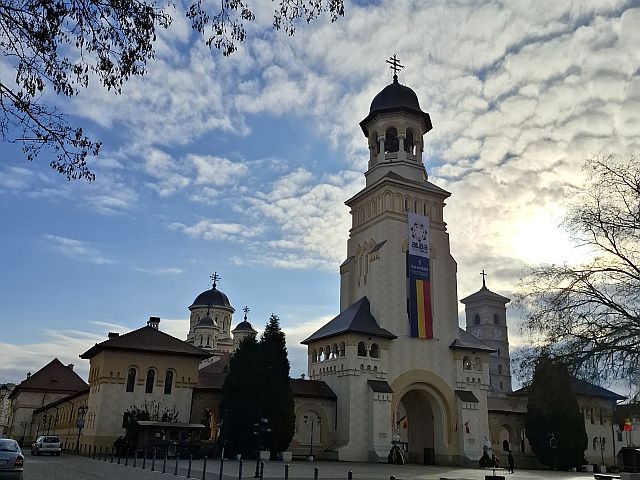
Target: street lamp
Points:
(82, 411)
(314, 422)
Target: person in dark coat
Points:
(511, 462)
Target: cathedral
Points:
(392, 368)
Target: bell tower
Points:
(486, 319)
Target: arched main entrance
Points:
(421, 424)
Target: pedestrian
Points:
(118, 444)
(511, 462)
(495, 461)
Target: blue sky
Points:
(241, 165)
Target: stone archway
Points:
(421, 424)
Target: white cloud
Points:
(213, 230)
(217, 171)
(76, 249)
(161, 270)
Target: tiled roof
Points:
(355, 319)
(466, 396)
(311, 388)
(485, 294)
(466, 341)
(581, 387)
(53, 377)
(212, 376)
(147, 340)
(379, 386)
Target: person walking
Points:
(511, 462)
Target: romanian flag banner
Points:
(419, 278)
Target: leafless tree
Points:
(589, 314)
(59, 44)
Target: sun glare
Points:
(541, 239)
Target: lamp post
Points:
(313, 422)
(82, 411)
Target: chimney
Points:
(302, 376)
(70, 366)
(154, 322)
(113, 335)
(28, 374)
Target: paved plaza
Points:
(80, 468)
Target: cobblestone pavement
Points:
(70, 467)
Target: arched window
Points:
(168, 382)
(496, 319)
(320, 354)
(466, 363)
(334, 351)
(151, 377)
(408, 141)
(478, 364)
(476, 319)
(391, 142)
(362, 351)
(375, 351)
(500, 369)
(208, 340)
(200, 340)
(375, 142)
(505, 445)
(314, 355)
(327, 352)
(342, 348)
(131, 379)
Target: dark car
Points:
(11, 460)
(46, 444)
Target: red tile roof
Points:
(53, 377)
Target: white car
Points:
(46, 444)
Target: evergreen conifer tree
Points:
(554, 425)
(240, 406)
(277, 397)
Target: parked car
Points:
(11, 459)
(46, 444)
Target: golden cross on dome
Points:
(483, 276)
(395, 66)
(214, 278)
(246, 310)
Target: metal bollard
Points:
(286, 472)
(240, 469)
(204, 468)
(189, 469)
(315, 473)
(135, 458)
(221, 468)
(261, 470)
(175, 472)
(144, 460)
(119, 455)
(94, 452)
(153, 461)
(164, 463)
(126, 458)
(100, 453)
(350, 475)
(112, 453)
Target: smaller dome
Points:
(243, 326)
(395, 96)
(213, 298)
(206, 322)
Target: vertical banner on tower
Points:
(419, 278)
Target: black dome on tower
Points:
(395, 96)
(213, 298)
